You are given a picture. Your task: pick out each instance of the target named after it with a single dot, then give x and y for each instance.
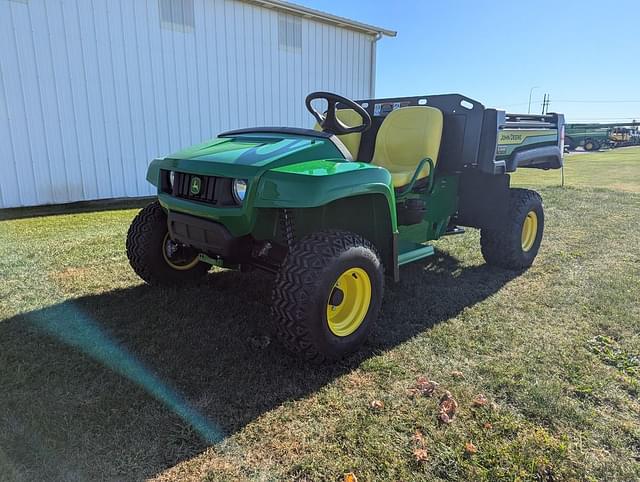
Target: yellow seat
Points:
(406, 136)
(351, 141)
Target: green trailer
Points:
(336, 211)
(591, 137)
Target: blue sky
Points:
(495, 51)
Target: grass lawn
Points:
(106, 378)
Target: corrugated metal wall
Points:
(92, 90)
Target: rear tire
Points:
(147, 242)
(589, 145)
(515, 244)
(327, 295)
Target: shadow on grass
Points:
(127, 383)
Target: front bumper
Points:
(207, 236)
(236, 220)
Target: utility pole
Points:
(545, 104)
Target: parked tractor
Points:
(334, 212)
(624, 136)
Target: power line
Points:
(577, 102)
(601, 119)
(599, 101)
(609, 115)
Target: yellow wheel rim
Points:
(529, 230)
(179, 266)
(349, 302)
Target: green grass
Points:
(106, 378)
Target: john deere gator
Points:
(334, 212)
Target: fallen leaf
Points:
(418, 438)
(447, 408)
(479, 400)
(421, 455)
(350, 477)
(470, 449)
(488, 426)
(457, 374)
(377, 404)
(423, 387)
(413, 392)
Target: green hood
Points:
(245, 155)
(258, 150)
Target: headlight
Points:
(172, 176)
(239, 190)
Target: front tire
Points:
(154, 256)
(515, 244)
(328, 294)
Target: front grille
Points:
(211, 189)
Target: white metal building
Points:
(92, 90)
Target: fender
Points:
(312, 184)
(153, 171)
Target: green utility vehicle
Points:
(331, 211)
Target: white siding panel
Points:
(92, 90)
(9, 189)
(146, 87)
(80, 100)
(16, 114)
(95, 126)
(110, 118)
(201, 65)
(65, 84)
(17, 100)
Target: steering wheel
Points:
(328, 121)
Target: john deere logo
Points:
(195, 185)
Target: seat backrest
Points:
(406, 136)
(351, 141)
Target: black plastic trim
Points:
(483, 199)
(216, 191)
(489, 142)
(548, 157)
(394, 261)
(206, 236)
(296, 131)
